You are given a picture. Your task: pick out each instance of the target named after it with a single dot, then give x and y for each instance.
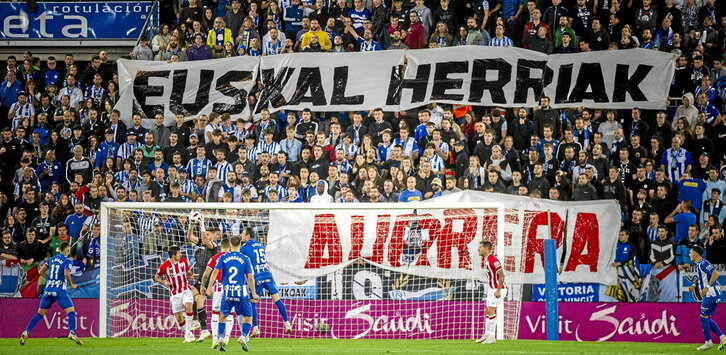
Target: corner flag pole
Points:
(552, 316)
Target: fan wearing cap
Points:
(436, 187)
(126, 150)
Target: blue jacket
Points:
(9, 94)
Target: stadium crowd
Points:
(65, 149)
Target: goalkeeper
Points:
(206, 248)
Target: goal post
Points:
(390, 270)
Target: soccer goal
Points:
(399, 271)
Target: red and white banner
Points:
(442, 243)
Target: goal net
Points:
(399, 271)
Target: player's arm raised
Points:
(500, 277)
(191, 237)
(251, 283)
(210, 286)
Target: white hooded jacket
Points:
(690, 112)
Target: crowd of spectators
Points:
(65, 149)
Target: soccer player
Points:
(57, 270)
(236, 270)
(175, 273)
(496, 293)
(216, 286)
(206, 248)
(255, 250)
(708, 287)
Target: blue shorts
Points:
(60, 297)
(708, 306)
(240, 305)
(266, 284)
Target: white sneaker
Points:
(73, 337)
(707, 345)
(288, 328)
(722, 344)
(215, 343)
(490, 340)
(195, 325)
(243, 341)
(482, 339)
(204, 334)
(188, 337)
(255, 332)
(226, 340)
(23, 337)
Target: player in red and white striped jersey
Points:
(216, 285)
(495, 294)
(175, 273)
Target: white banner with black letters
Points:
(332, 82)
(189, 88)
(515, 77)
(329, 81)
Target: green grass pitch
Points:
(329, 346)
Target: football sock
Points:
(245, 327)
(281, 308)
(706, 326)
(230, 326)
(221, 329)
(254, 314)
(491, 325)
(72, 322)
(33, 322)
(715, 328)
(215, 324)
(202, 316)
(188, 318)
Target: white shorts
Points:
(494, 301)
(178, 300)
(216, 301)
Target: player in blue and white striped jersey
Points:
(273, 184)
(274, 44)
(126, 150)
(199, 165)
(499, 39)
(21, 109)
(676, 160)
(707, 287)
(223, 167)
(366, 43)
(341, 163)
(251, 149)
(186, 185)
(268, 145)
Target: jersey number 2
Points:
(232, 275)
